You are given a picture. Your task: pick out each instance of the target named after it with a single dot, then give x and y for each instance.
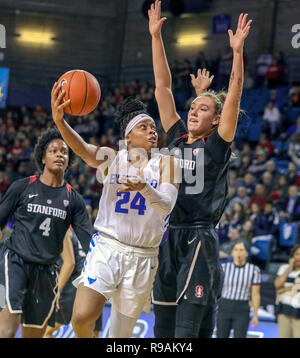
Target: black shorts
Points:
(189, 267)
(28, 289)
(66, 302)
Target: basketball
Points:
(83, 89)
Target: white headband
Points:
(135, 120)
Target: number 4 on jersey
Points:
(45, 226)
(138, 203)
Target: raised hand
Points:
(155, 20)
(57, 103)
(237, 40)
(202, 81)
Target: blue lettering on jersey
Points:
(114, 179)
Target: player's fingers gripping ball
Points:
(83, 91)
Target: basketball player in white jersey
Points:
(133, 215)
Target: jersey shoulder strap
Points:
(32, 179)
(69, 188)
(70, 192)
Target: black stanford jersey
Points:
(203, 191)
(42, 215)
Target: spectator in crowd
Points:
(267, 182)
(294, 149)
(290, 207)
(276, 99)
(26, 149)
(240, 197)
(259, 164)
(244, 166)
(10, 172)
(247, 231)
(241, 283)
(259, 196)
(294, 95)
(291, 174)
(287, 286)
(249, 182)
(266, 145)
(271, 168)
(237, 217)
(262, 64)
(281, 189)
(246, 150)
(271, 120)
(274, 74)
(253, 212)
(267, 221)
(21, 171)
(15, 150)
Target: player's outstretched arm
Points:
(229, 116)
(202, 81)
(87, 152)
(162, 73)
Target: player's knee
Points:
(81, 318)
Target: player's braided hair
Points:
(128, 109)
(43, 141)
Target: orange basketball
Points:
(82, 89)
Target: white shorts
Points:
(123, 274)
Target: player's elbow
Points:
(72, 263)
(162, 91)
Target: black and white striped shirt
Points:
(238, 280)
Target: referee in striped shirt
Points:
(241, 282)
